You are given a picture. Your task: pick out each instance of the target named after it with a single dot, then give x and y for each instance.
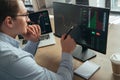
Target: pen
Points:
(68, 32)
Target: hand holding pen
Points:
(68, 32)
(68, 43)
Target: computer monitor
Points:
(90, 27)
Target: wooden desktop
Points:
(50, 56)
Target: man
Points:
(19, 64)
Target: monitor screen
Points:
(41, 18)
(90, 24)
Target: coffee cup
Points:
(115, 62)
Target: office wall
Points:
(38, 4)
(49, 2)
(97, 3)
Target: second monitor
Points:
(90, 27)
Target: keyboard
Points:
(43, 37)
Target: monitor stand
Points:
(83, 53)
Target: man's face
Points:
(20, 23)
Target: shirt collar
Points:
(10, 40)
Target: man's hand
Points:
(68, 44)
(33, 33)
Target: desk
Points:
(50, 56)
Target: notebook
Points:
(42, 18)
(87, 69)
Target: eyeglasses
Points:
(26, 15)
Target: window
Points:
(115, 5)
(28, 2)
(28, 5)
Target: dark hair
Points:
(8, 8)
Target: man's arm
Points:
(31, 47)
(27, 69)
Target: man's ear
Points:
(8, 21)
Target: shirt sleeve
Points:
(27, 69)
(66, 66)
(31, 47)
